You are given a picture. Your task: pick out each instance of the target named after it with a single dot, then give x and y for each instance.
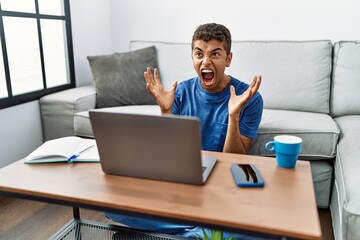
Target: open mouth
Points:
(207, 75)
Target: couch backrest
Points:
(345, 93)
(174, 60)
(296, 74)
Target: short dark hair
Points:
(213, 31)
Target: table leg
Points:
(76, 213)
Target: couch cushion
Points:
(322, 173)
(296, 74)
(58, 109)
(345, 203)
(348, 156)
(119, 77)
(346, 79)
(174, 60)
(318, 131)
(82, 125)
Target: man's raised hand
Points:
(237, 102)
(164, 99)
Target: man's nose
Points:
(206, 61)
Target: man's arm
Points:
(235, 142)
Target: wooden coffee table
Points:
(286, 206)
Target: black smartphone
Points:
(247, 175)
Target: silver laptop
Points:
(166, 148)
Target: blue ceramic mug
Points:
(287, 149)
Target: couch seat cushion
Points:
(345, 202)
(318, 131)
(348, 159)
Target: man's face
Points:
(210, 60)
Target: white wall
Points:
(91, 32)
(20, 131)
(103, 27)
(176, 20)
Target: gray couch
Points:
(310, 89)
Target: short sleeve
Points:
(250, 117)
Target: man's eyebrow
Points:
(216, 49)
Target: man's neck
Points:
(225, 81)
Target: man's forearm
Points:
(234, 141)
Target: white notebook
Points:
(65, 149)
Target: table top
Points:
(285, 206)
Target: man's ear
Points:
(228, 59)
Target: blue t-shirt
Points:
(212, 110)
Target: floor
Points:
(24, 219)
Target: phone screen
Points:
(247, 175)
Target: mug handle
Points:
(270, 146)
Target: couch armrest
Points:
(58, 109)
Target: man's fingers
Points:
(232, 90)
(258, 82)
(149, 87)
(155, 80)
(156, 76)
(174, 86)
(148, 76)
(255, 85)
(253, 82)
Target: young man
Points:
(229, 110)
